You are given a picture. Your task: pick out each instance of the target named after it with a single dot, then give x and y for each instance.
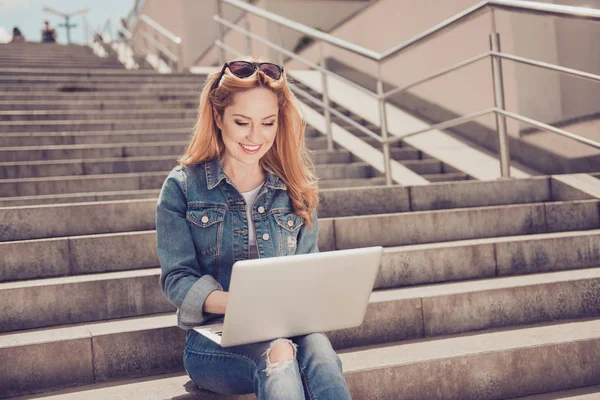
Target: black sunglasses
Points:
(243, 69)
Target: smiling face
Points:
(249, 125)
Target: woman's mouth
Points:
(250, 149)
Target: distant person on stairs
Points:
(17, 36)
(48, 33)
(243, 189)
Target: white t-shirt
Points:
(250, 197)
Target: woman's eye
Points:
(271, 124)
(240, 123)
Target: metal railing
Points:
(495, 54)
(158, 41)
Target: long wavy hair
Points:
(288, 158)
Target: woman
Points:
(243, 189)
(17, 36)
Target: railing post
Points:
(326, 100)
(180, 57)
(220, 33)
(384, 132)
(503, 146)
(280, 43)
(248, 38)
(145, 38)
(156, 49)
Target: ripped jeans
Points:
(315, 371)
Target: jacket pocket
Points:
(206, 224)
(288, 227)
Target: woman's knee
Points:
(318, 346)
(281, 354)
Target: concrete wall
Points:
(583, 96)
(189, 19)
(322, 14)
(192, 21)
(543, 95)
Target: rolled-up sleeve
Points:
(308, 242)
(181, 277)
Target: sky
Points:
(29, 17)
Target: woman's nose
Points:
(254, 134)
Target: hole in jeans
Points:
(279, 365)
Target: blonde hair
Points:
(288, 158)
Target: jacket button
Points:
(261, 209)
(265, 236)
(204, 219)
(290, 223)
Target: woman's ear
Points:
(217, 119)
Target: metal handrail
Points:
(494, 110)
(495, 55)
(176, 57)
(307, 30)
(160, 46)
(541, 64)
(163, 31)
(510, 5)
(436, 75)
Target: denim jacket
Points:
(202, 229)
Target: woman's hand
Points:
(216, 302)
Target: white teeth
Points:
(250, 148)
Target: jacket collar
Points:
(215, 174)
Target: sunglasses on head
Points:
(243, 69)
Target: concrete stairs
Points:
(475, 276)
(53, 55)
(487, 289)
(109, 135)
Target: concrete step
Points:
(44, 48)
(75, 73)
(342, 202)
(161, 81)
(78, 79)
(117, 115)
(432, 310)
(459, 224)
(94, 353)
(122, 88)
(99, 96)
(67, 198)
(44, 65)
(86, 151)
(446, 177)
(405, 153)
(87, 125)
(11, 189)
(174, 148)
(53, 60)
(178, 385)
(73, 59)
(400, 266)
(394, 229)
(143, 163)
(424, 167)
(55, 55)
(24, 139)
(86, 106)
(584, 393)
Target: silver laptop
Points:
(296, 295)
